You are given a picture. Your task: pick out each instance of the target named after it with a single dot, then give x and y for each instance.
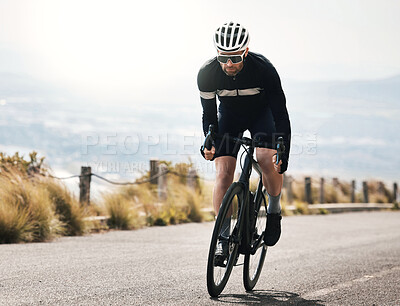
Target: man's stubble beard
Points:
(233, 73)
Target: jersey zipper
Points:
(237, 90)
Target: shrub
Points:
(18, 163)
(301, 208)
(14, 224)
(323, 211)
(66, 207)
(182, 204)
(34, 208)
(195, 213)
(378, 193)
(27, 212)
(121, 212)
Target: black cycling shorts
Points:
(260, 124)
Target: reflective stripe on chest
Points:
(239, 92)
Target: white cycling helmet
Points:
(231, 37)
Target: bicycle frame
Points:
(247, 234)
(243, 226)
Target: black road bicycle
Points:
(247, 213)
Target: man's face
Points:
(233, 69)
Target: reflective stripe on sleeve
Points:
(207, 94)
(227, 93)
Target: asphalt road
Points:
(338, 259)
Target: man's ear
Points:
(246, 52)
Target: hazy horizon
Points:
(333, 116)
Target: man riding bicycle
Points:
(251, 98)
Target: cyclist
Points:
(251, 98)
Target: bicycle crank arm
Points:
(257, 244)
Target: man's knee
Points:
(225, 167)
(224, 178)
(264, 157)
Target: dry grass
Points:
(301, 208)
(182, 205)
(14, 224)
(144, 207)
(26, 212)
(341, 192)
(66, 207)
(121, 212)
(33, 207)
(379, 193)
(338, 194)
(143, 198)
(137, 206)
(334, 192)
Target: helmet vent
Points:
(231, 37)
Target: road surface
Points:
(338, 259)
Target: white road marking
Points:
(326, 291)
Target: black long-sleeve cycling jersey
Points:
(255, 88)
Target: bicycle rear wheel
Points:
(254, 261)
(218, 272)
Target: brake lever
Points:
(208, 142)
(280, 149)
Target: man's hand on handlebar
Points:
(208, 147)
(277, 166)
(279, 160)
(209, 154)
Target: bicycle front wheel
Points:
(254, 260)
(226, 236)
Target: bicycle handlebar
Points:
(211, 136)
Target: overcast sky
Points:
(132, 50)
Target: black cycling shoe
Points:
(221, 254)
(273, 229)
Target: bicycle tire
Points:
(218, 276)
(253, 263)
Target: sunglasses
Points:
(235, 59)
